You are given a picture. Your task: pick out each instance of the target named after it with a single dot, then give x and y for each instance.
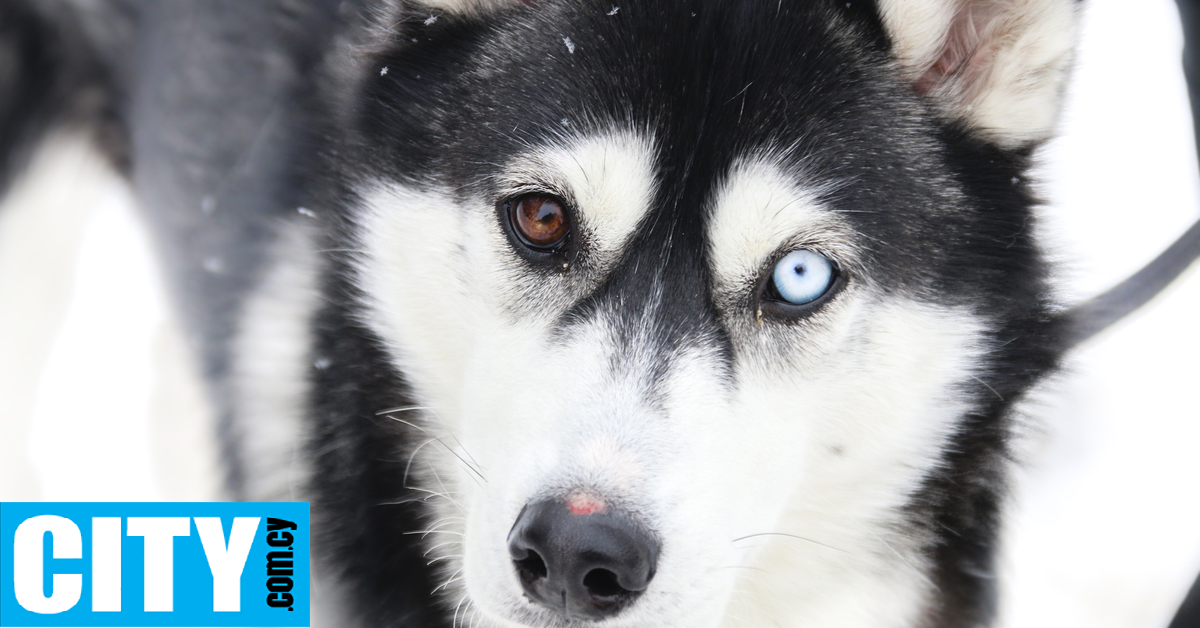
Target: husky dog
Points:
(633, 313)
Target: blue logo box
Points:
(154, 564)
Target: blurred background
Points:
(99, 399)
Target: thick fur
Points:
(327, 182)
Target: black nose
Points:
(584, 566)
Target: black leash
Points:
(1189, 612)
(1095, 315)
(1099, 313)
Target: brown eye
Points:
(540, 221)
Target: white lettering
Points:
(65, 542)
(106, 564)
(159, 567)
(226, 563)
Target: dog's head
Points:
(713, 310)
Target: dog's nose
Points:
(587, 563)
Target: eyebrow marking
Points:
(761, 207)
(610, 179)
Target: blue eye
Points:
(802, 276)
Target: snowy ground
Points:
(98, 401)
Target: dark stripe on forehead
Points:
(658, 297)
(695, 90)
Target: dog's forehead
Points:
(709, 88)
(711, 80)
(688, 99)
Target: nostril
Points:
(581, 566)
(602, 585)
(531, 568)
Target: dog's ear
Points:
(999, 66)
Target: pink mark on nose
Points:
(585, 504)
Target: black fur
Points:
(692, 74)
(51, 75)
(246, 104)
(365, 517)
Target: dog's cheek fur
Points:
(879, 413)
(421, 297)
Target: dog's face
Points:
(698, 300)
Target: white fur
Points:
(271, 365)
(467, 6)
(609, 178)
(1015, 65)
(459, 273)
(918, 28)
(824, 432)
(41, 225)
(761, 208)
(873, 381)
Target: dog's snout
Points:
(588, 564)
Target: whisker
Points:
(445, 496)
(447, 519)
(439, 559)
(985, 385)
(791, 536)
(443, 522)
(446, 491)
(471, 468)
(436, 527)
(411, 457)
(920, 574)
(759, 569)
(460, 459)
(452, 580)
(401, 409)
(434, 414)
(437, 546)
(454, 621)
(425, 490)
(401, 502)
